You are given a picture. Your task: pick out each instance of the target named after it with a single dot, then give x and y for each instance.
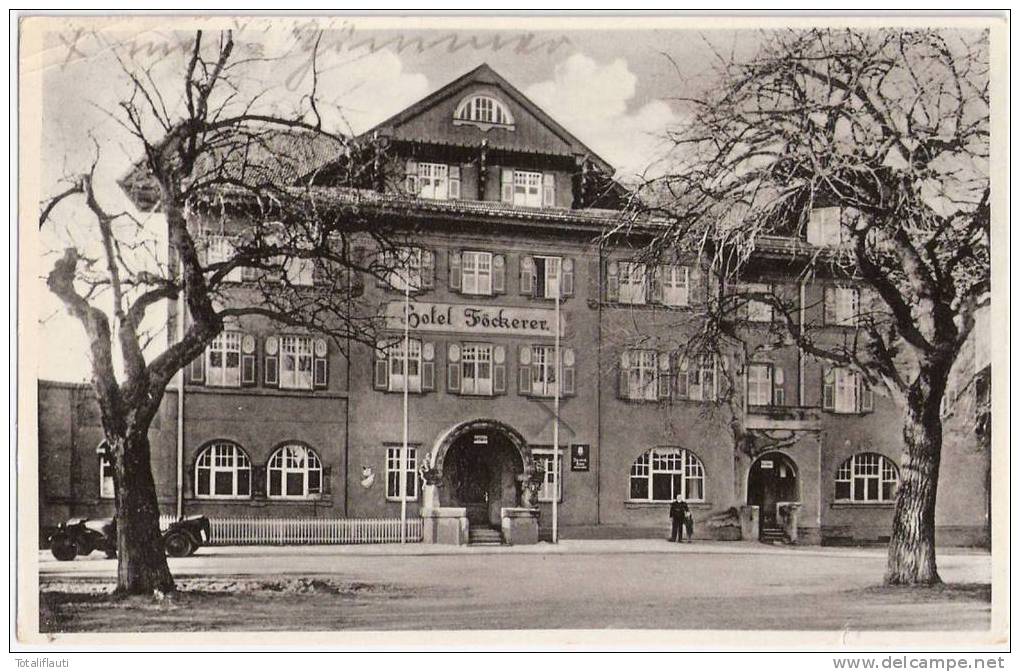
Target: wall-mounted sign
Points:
(473, 319)
(580, 456)
(481, 439)
(765, 464)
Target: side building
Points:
(503, 211)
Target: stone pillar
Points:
(445, 525)
(749, 522)
(519, 525)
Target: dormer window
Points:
(483, 111)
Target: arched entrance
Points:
(481, 465)
(772, 479)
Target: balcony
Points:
(783, 417)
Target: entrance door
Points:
(479, 474)
(773, 479)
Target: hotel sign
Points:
(473, 319)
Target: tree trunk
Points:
(141, 561)
(912, 545)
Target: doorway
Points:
(480, 473)
(772, 479)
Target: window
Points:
(223, 360)
(222, 470)
(642, 367)
(295, 473)
(842, 306)
(483, 110)
(393, 474)
(550, 482)
(660, 474)
(436, 181)
(404, 268)
(844, 391)
(476, 368)
(396, 367)
(754, 310)
(543, 370)
(697, 381)
(296, 362)
(528, 188)
(759, 385)
(547, 277)
(106, 489)
(633, 282)
(675, 283)
(824, 227)
(476, 273)
(866, 477)
(219, 250)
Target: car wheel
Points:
(63, 547)
(178, 545)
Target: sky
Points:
(615, 90)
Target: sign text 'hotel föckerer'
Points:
(466, 318)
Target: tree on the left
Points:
(212, 160)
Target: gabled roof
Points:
(485, 75)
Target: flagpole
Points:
(403, 447)
(556, 413)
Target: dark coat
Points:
(679, 510)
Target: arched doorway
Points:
(772, 479)
(481, 466)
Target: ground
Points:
(577, 585)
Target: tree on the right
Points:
(868, 151)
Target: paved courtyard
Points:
(577, 584)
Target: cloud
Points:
(594, 102)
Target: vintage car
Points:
(81, 536)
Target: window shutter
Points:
(272, 362)
(411, 177)
(524, 370)
(327, 480)
(258, 481)
(548, 190)
(248, 374)
(567, 277)
(567, 372)
(455, 271)
(196, 372)
(498, 274)
(696, 286)
(453, 377)
(381, 375)
(829, 306)
(828, 389)
(612, 281)
(682, 383)
(499, 378)
(664, 376)
(866, 396)
(320, 364)
(454, 182)
(624, 378)
(507, 185)
(814, 227)
(655, 278)
(428, 376)
(527, 284)
(428, 269)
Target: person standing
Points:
(688, 522)
(678, 513)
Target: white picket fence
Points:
(247, 531)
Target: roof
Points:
(485, 75)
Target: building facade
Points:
(504, 211)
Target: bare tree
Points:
(211, 160)
(889, 130)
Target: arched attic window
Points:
(483, 111)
